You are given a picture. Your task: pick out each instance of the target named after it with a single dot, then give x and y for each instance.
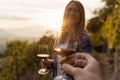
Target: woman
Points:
(74, 21)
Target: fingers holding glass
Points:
(77, 60)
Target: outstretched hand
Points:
(90, 69)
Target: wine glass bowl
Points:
(65, 45)
(64, 52)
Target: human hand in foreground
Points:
(90, 71)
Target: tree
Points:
(20, 61)
(111, 30)
(96, 24)
(105, 30)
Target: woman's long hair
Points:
(79, 27)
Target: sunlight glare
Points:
(51, 19)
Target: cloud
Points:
(49, 4)
(27, 7)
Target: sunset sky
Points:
(27, 13)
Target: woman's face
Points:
(72, 14)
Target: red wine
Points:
(64, 52)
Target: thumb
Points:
(68, 69)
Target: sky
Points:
(27, 13)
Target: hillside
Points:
(32, 31)
(28, 33)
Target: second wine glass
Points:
(43, 54)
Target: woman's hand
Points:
(49, 63)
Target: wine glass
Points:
(43, 54)
(65, 45)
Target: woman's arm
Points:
(85, 45)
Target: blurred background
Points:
(26, 24)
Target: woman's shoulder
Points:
(85, 35)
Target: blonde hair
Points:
(80, 27)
